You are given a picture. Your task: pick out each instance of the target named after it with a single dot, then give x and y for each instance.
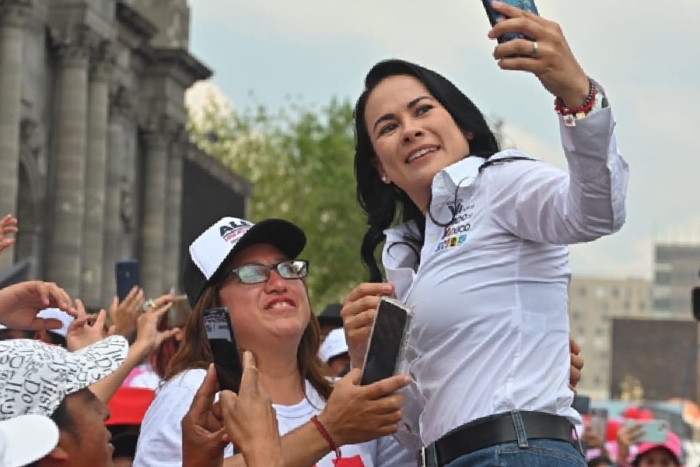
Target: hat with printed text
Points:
(25, 439)
(220, 242)
(35, 377)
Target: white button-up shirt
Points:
(491, 329)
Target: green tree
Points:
(300, 161)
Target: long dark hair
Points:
(385, 203)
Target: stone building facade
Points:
(93, 139)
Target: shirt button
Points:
(440, 183)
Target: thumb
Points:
(115, 304)
(165, 335)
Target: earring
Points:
(384, 178)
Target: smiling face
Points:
(267, 314)
(413, 135)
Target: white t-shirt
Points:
(160, 441)
(143, 376)
(491, 328)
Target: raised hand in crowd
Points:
(20, 304)
(627, 436)
(251, 421)
(125, 315)
(148, 338)
(8, 226)
(86, 329)
(203, 432)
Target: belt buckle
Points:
(428, 457)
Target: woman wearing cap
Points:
(666, 454)
(255, 272)
(481, 254)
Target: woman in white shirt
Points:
(481, 251)
(253, 270)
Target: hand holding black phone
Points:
(222, 341)
(387, 342)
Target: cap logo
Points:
(234, 229)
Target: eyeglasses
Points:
(258, 273)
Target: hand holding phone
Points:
(495, 17)
(387, 342)
(653, 431)
(128, 275)
(222, 341)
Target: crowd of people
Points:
(474, 242)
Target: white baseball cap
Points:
(55, 313)
(35, 377)
(210, 251)
(25, 439)
(334, 345)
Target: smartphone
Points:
(494, 16)
(387, 342)
(128, 276)
(227, 359)
(581, 404)
(655, 431)
(599, 422)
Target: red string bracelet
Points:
(326, 436)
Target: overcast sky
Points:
(645, 53)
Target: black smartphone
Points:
(222, 341)
(494, 16)
(581, 404)
(387, 342)
(128, 275)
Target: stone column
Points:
(119, 109)
(158, 139)
(64, 254)
(95, 178)
(13, 14)
(173, 204)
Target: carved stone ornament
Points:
(121, 102)
(14, 13)
(74, 43)
(126, 205)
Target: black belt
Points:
(495, 429)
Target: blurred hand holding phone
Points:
(387, 341)
(495, 17)
(652, 431)
(224, 349)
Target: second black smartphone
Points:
(222, 341)
(128, 275)
(387, 342)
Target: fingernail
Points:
(387, 288)
(496, 3)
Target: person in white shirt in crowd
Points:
(334, 351)
(50, 381)
(255, 272)
(481, 254)
(25, 439)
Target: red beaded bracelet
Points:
(583, 109)
(326, 436)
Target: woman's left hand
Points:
(548, 56)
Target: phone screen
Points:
(387, 341)
(227, 359)
(127, 275)
(494, 16)
(581, 404)
(599, 422)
